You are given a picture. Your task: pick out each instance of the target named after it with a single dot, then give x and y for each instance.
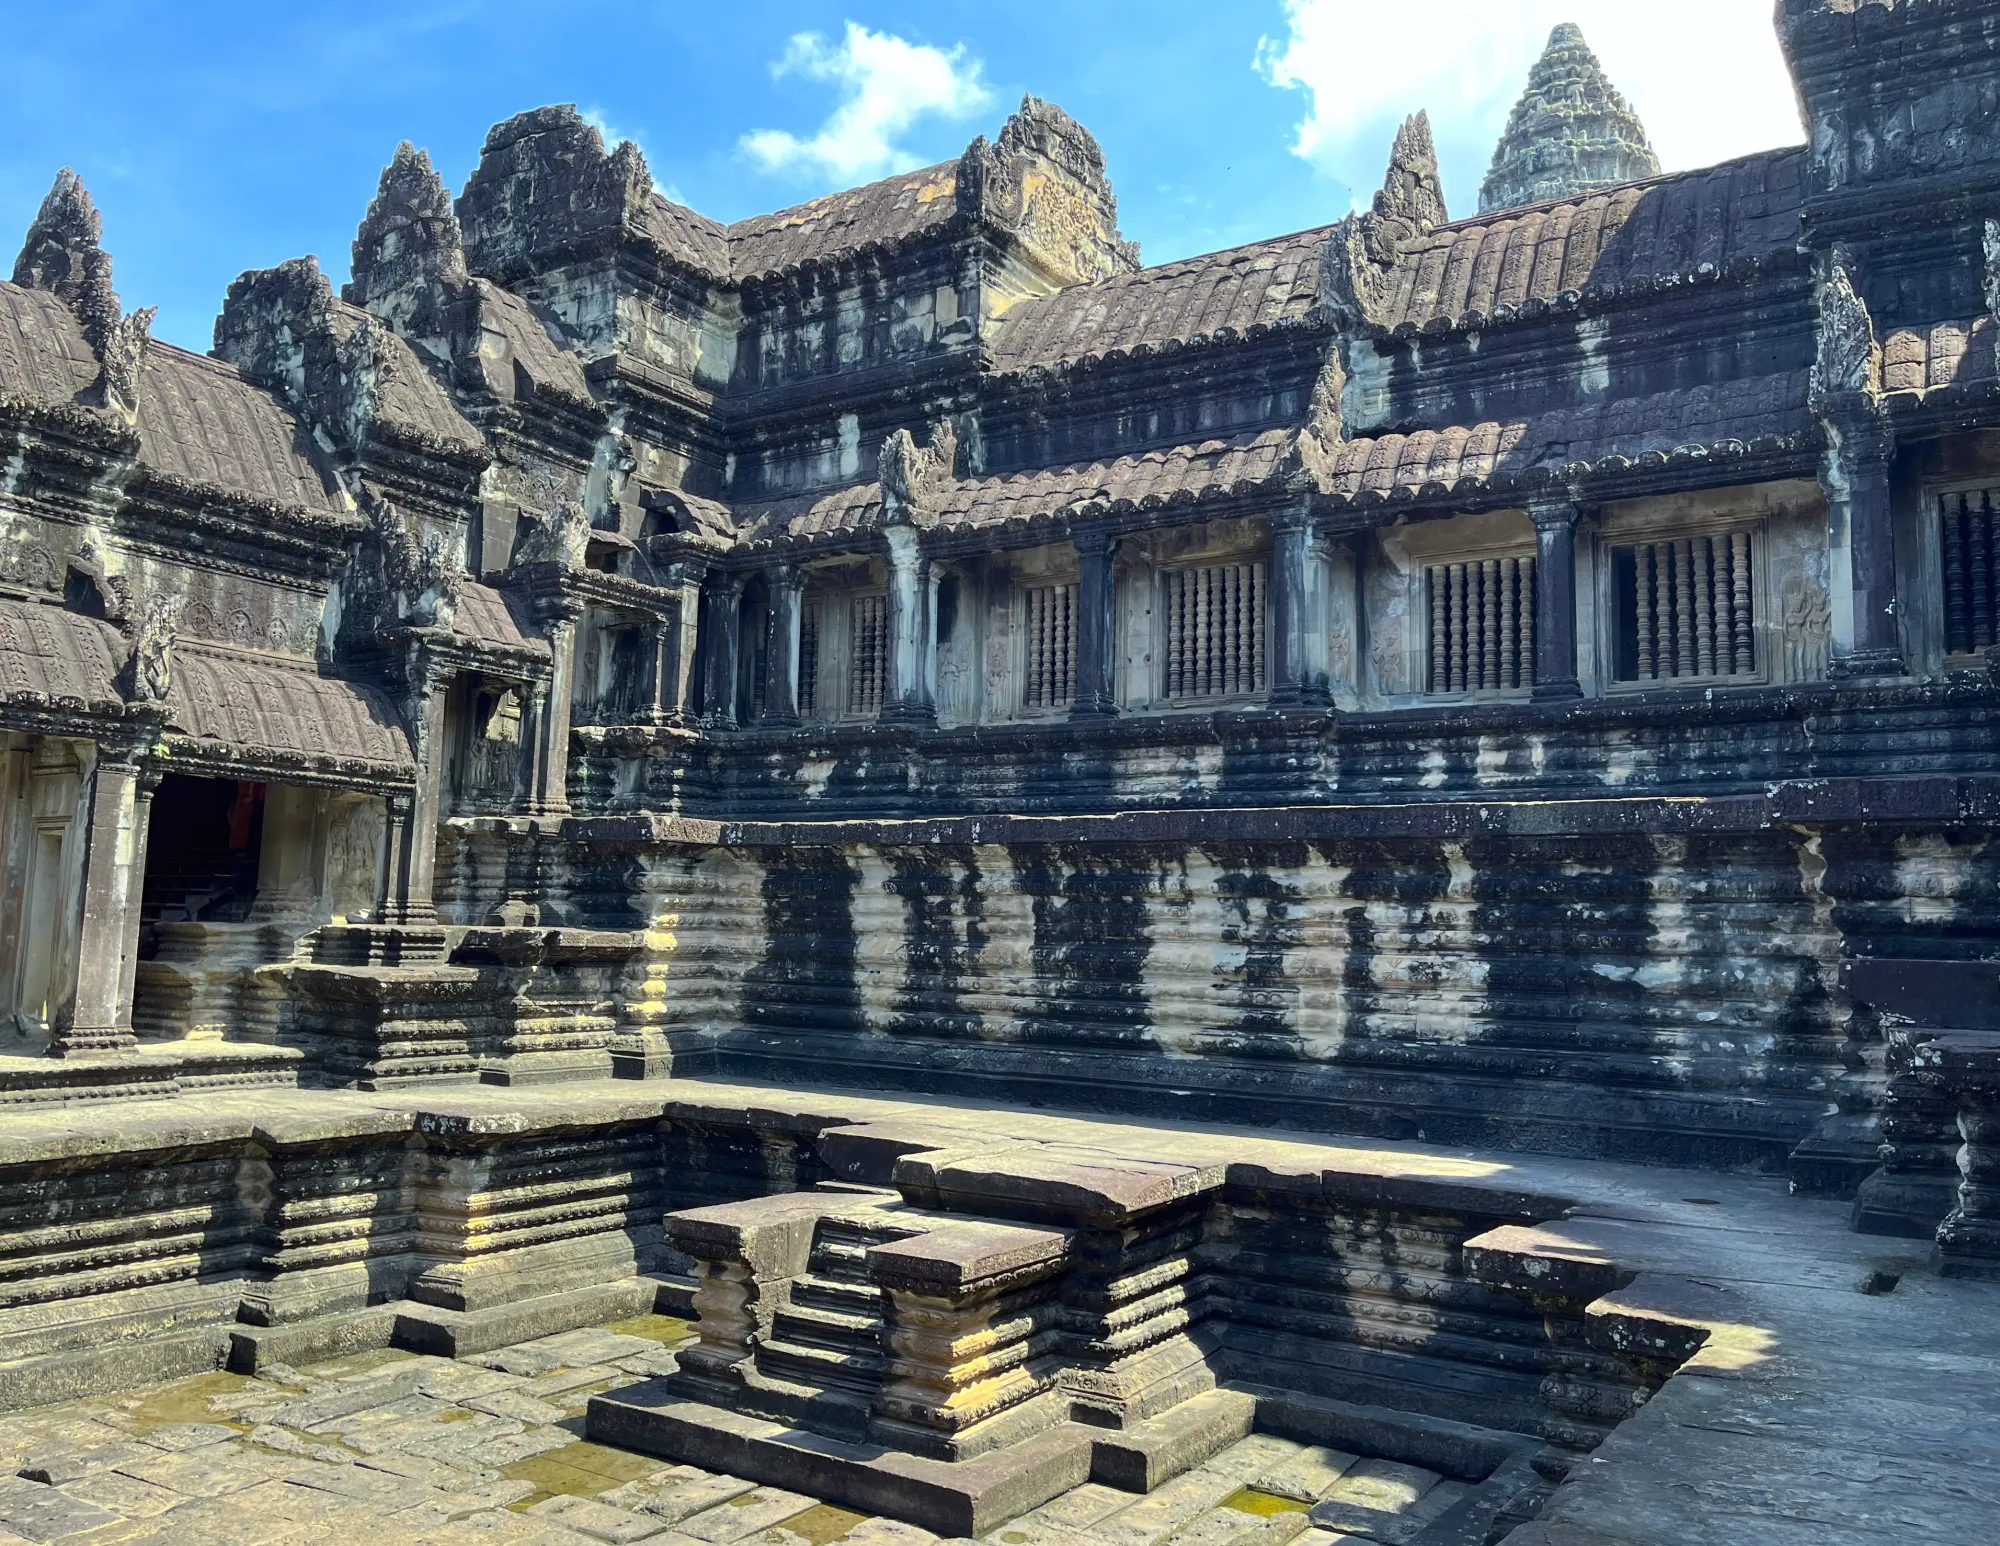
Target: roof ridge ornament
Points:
(63, 256)
(1847, 363)
(149, 666)
(409, 251)
(1413, 190)
(1363, 249)
(1312, 459)
(915, 478)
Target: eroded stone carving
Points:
(61, 255)
(150, 666)
(561, 537)
(1848, 363)
(915, 478)
(421, 575)
(1808, 632)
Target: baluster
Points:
(1739, 590)
(1489, 607)
(1458, 628)
(1642, 599)
(1218, 631)
(1662, 555)
(1509, 661)
(1259, 597)
(1957, 626)
(1052, 647)
(1069, 644)
(1034, 682)
(1232, 638)
(1684, 657)
(1199, 661)
(1527, 622)
(1981, 575)
(1440, 587)
(1061, 645)
(1185, 614)
(1704, 604)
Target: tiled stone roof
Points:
(55, 659)
(1670, 230)
(233, 705)
(1262, 285)
(201, 421)
(274, 711)
(1735, 416)
(553, 371)
(885, 212)
(487, 616)
(408, 399)
(1148, 481)
(688, 237)
(43, 353)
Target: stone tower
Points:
(1571, 132)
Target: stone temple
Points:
(1343, 891)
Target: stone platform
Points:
(1828, 1387)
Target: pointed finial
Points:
(409, 243)
(1413, 190)
(62, 255)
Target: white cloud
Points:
(886, 84)
(1704, 75)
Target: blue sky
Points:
(218, 135)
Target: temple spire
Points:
(1570, 133)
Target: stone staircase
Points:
(830, 1335)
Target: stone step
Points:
(838, 1297)
(841, 1261)
(819, 1366)
(830, 1329)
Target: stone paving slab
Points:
(216, 1461)
(1834, 1415)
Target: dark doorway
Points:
(202, 849)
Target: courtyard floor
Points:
(400, 1448)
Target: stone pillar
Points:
(1295, 678)
(409, 857)
(1096, 626)
(1555, 599)
(781, 686)
(550, 791)
(677, 692)
(98, 1016)
(906, 687)
(723, 619)
(1855, 476)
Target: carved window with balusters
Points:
(1048, 668)
(868, 655)
(1214, 634)
(1969, 551)
(1684, 608)
(812, 615)
(1480, 617)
